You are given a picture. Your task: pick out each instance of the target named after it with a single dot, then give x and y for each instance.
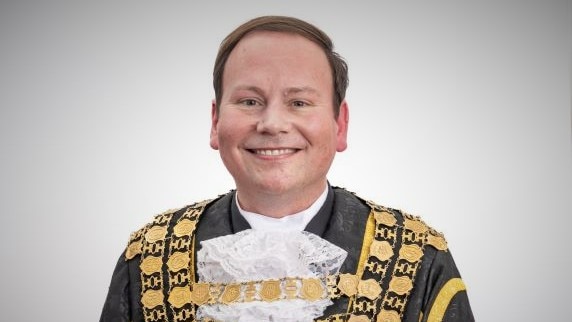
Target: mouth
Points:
(273, 152)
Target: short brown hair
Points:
(287, 25)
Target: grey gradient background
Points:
(460, 113)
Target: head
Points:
(276, 120)
(339, 68)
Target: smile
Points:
(273, 152)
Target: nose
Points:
(274, 120)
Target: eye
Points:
(299, 104)
(249, 102)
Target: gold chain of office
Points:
(392, 244)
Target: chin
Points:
(276, 186)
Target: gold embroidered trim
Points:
(367, 240)
(443, 299)
(368, 237)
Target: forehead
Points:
(285, 38)
(261, 51)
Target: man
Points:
(278, 119)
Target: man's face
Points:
(275, 126)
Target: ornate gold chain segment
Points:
(381, 255)
(398, 247)
(413, 238)
(152, 280)
(180, 267)
(167, 265)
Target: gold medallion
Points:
(184, 228)
(151, 264)
(415, 226)
(152, 298)
(369, 288)
(230, 294)
(388, 316)
(201, 293)
(179, 296)
(384, 218)
(400, 285)
(381, 249)
(155, 233)
(411, 253)
(270, 290)
(348, 284)
(178, 261)
(437, 242)
(312, 289)
(133, 249)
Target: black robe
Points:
(342, 221)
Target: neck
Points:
(281, 204)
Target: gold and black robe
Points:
(402, 268)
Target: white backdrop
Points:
(460, 113)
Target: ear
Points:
(343, 121)
(214, 123)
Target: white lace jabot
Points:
(254, 256)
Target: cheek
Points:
(227, 142)
(226, 131)
(321, 134)
(232, 131)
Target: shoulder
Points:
(179, 221)
(385, 216)
(410, 259)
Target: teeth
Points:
(274, 152)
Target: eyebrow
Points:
(287, 92)
(295, 90)
(255, 89)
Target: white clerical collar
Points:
(297, 221)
